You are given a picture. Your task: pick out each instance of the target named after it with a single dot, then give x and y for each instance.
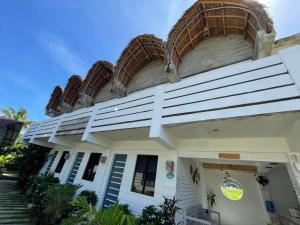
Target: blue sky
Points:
(43, 42)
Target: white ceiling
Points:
(275, 125)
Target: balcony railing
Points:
(264, 86)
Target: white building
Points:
(174, 117)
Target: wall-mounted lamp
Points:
(103, 159)
(170, 166)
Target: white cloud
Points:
(28, 85)
(61, 54)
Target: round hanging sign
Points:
(232, 189)
(170, 175)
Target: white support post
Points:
(92, 138)
(97, 140)
(263, 44)
(291, 59)
(157, 131)
(61, 141)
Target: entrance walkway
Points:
(13, 208)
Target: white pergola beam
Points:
(41, 143)
(157, 131)
(61, 141)
(97, 140)
(263, 44)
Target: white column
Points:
(291, 59)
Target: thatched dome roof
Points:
(51, 108)
(98, 75)
(71, 92)
(206, 18)
(140, 51)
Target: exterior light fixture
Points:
(103, 159)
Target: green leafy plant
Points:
(165, 216)
(150, 215)
(211, 199)
(51, 201)
(89, 215)
(90, 196)
(29, 163)
(169, 209)
(57, 202)
(37, 193)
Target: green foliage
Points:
(166, 216)
(150, 215)
(89, 215)
(37, 192)
(20, 115)
(57, 202)
(90, 196)
(169, 209)
(29, 163)
(50, 200)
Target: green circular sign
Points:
(232, 189)
(170, 175)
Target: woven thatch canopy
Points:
(206, 18)
(71, 92)
(141, 50)
(51, 108)
(99, 74)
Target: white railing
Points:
(74, 122)
(249, 88)
(132, 111)
(264, 86)
(47, 127)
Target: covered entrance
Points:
(235, 192)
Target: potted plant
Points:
(211, 199)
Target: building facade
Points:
(182, 117)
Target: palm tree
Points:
(20, 115)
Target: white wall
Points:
(189, 193)
(281, 190)
(163, 185)
(248, 211)
(136, 201)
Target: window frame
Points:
(90, 175)
(145, 173)
(61, 163)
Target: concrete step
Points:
(13, 216)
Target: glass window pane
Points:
(145, 174)
(91, 168)
(61, 162)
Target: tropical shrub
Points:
(165, 216)
(29, 162)
(57, 202)
(90, 196)
(51, 201)
(37, 193)
(87, 214)
(150, 215)
(169, 209)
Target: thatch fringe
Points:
(205, 18)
